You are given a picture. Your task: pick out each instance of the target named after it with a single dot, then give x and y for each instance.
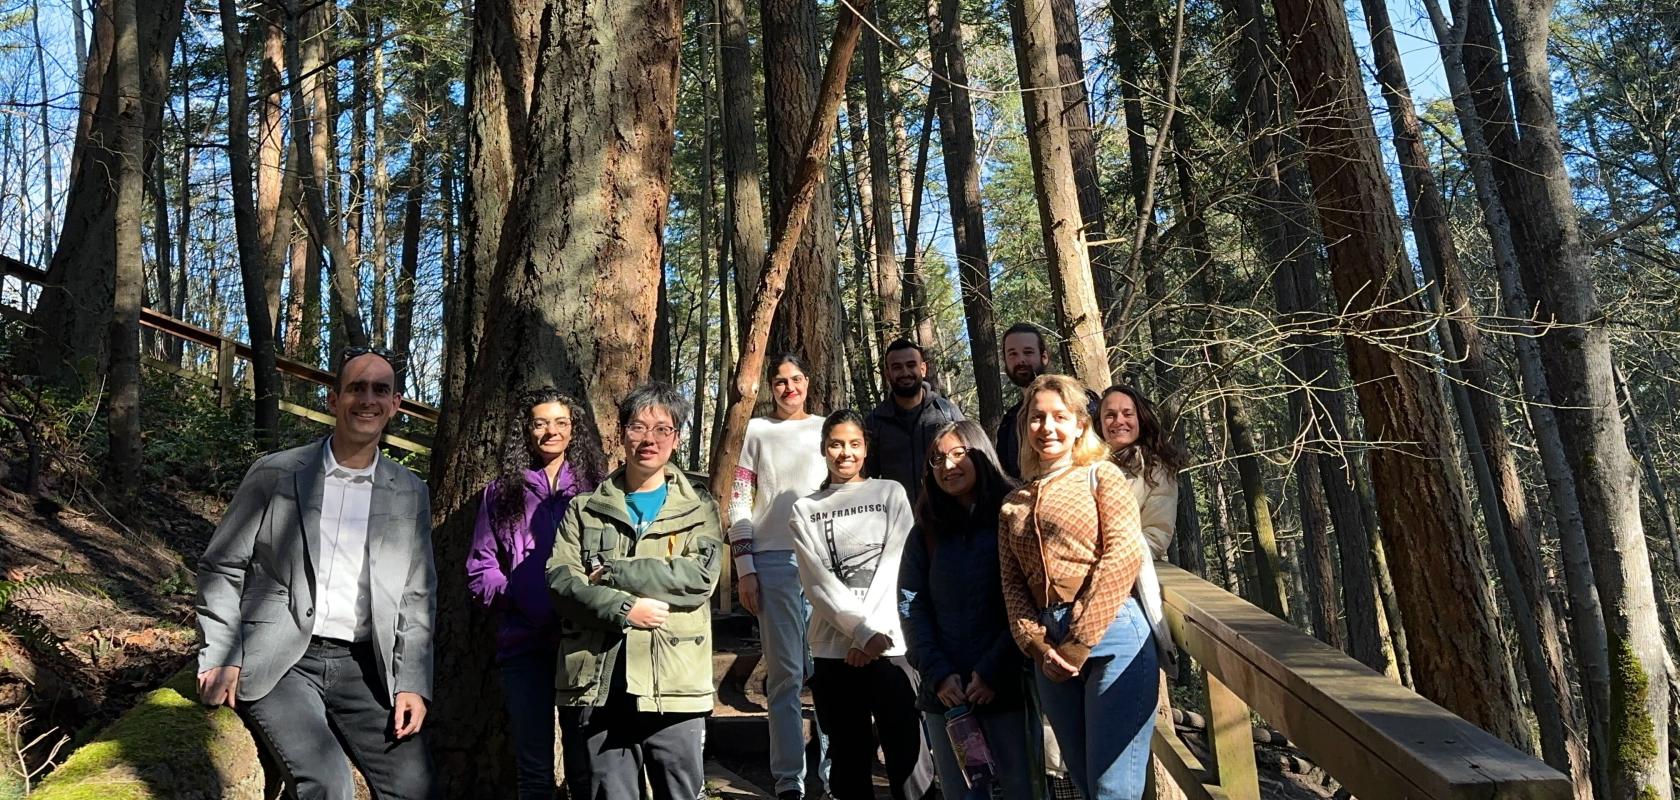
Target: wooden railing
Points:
(225, 351)
(1378, 739)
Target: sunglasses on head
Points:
(348, 353)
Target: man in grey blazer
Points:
(316, 599)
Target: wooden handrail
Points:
(1378, 739)
(187, 331)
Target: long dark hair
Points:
(583, 454)
(1153, 446)
(833, 421)
(936, 510)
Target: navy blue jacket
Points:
(951, 600)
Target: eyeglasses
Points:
(641, 431)
(557, 425)
(955, 455)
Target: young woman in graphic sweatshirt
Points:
(848, 537)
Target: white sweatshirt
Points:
(781, 461)
(849, 538)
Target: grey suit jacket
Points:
(256, 581)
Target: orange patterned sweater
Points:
(1058, 544)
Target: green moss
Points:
(1634, 749)
(166, 745)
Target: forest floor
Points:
(98, 613)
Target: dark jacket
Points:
(1009, 443)
(899, 439)
(951, 599)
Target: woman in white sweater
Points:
(1149, 458)
(849, 537)
(781, 461)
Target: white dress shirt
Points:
(342, 599)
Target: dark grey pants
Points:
(330, 704)
(623, 741)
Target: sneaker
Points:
(791, 794)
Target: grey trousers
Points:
(330, 704)
(623, 741)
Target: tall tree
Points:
(122, 387)
(968, 218)
(316, 157)
(1516, 547)
(501, 74)
(888, 280)
(253, 261)
(1458, 656)
(791, 75)
(737, 110)
(1520, 126)
(572, 292)
(70, 324)
(1078, 320)
(1082, 150)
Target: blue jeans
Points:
(528, 688)
(1006, 737)
(1104, 716)
(783, 614)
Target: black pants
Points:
(620, 742)
(864, 706)
(332, 702)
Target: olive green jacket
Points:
(676, 559)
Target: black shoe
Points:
(791, 794)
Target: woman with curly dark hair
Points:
(553, 453)
(1147, 455)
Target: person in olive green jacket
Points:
(634, 566)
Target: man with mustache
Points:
(902, 426)
(1025, 357)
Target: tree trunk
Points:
(315, 157)
(122, 386)
(402, 325)
(1458, 657)
(70, 328)
(708, 206)
(275, 184)
(500, 80)
(1288, 238)
(1516, 547)
(968, 217)
(916, 314)
(1078, 319)
(1082, 150)
(572, 294)
(378, 252)
(253, 270)
(883, 234)
(791, 74)
(1555, 270)
(744, 215)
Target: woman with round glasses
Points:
(955, 623)
(552, 455)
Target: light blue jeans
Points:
(1006, 737)
(783, 614)
(1104, 716)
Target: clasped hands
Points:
(871, 650)
(953, 693)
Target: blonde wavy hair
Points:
(1088, 449)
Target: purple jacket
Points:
(505, 567)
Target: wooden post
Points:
(1231, 737)
(224, 373)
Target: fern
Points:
(11, 591)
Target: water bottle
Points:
(969, 743)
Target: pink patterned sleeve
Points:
(742, 492)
